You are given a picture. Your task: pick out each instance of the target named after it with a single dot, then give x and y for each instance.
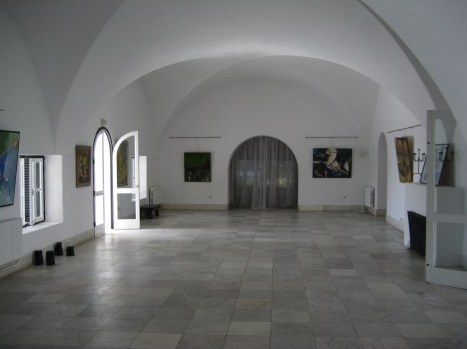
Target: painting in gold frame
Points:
(83, 165)
(404, 155)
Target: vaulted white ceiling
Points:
(85, 51)
(171, 88)
(58, 35)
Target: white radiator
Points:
(10, 241)
(369, 197)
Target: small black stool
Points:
(49, 258)
(150, 210)
(58, 249)
(70, 251)
(37, 258)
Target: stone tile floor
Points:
(236, 279)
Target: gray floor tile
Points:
(249, 328)
(12, 321)
(434, 343)
(384, 343)
(127, 323)
(167, 325)
(191, 341)
(293, 342)
(291, 315)
(334, 329)
(253, 303)
(290, 329)
(381, 330)
(112, 339)
(418, 330)
(338, 342)
(156, 341)
(86, 323)
(445, 317)
(46, 322)
(252, 315)
(210, 322)
(247, 342)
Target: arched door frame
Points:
(105, 131)
(126, 194)
(243, 142)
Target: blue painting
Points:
(9, 150)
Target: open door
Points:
(125, 182)
(102, 182)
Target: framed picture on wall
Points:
(441, 151)
(404, 155)
(332, 163)
(83, 165)
(197, 167)
(9, 151)
(122, 164)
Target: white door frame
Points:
(132, 188)
(106, 190)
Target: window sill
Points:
(39, 226)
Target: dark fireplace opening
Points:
(417, 230)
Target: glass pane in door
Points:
(99, 164)
(126, 206)
(99, 207)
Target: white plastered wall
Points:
(26, 112)
(69, 213)
(240, 110)
(391, 115)
(21, 98)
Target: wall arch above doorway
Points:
(263, 173)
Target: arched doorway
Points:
(263, 174)
(102, 181)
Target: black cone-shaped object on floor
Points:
(49, 258)
(37, 258)
(58, 249)
(70, 251)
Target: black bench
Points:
(150, 210)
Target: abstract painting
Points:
(197, 167)
(9, 151)
(332, 163)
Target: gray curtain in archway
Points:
(263, 174)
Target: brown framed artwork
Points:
(83, 166)
(122, 164)
(404, 155)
